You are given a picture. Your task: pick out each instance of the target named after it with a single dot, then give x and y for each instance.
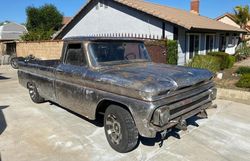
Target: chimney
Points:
(195, 6)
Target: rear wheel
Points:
(34, 95)
(120, 129)
(13, 63)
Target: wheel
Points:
(34, 95)
(120, 129)
(13, 63)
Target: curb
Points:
(231, 94)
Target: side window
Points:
(75, 55)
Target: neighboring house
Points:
(66, 20)
(230, 20)
(9, 34)
(136, 18)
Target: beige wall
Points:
(42, 50)
(2, 48)
(229, 21)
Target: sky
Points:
(14, 10)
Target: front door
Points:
(69, 82)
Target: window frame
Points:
(83, 54)
(214, 39)
(199, 51)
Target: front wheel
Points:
(120, 129)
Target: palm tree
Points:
(242, 15)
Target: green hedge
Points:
(227, 61)
(244, 81)
(172, 52)
(243, 70)
(209, 62)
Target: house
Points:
(195, 34)
(229, 19)
(9, 34)
(66, 20)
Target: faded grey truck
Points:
(115, 78)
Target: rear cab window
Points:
(75, 55)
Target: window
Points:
(209, 43)
(105, 53)
(176, 33)
(194, 45)
(75, 55)
(222, 46)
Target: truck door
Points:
(69, 83)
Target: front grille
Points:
(176, 110)
(188, 99)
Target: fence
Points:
(43, 50)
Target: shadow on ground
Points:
(3, 123)
(173, 133)
(145, 141)
(2, 77)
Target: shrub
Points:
(232, 60)
(227, 60)
(243, 49)
(209, 62)
(243, 70)
(172, 52)
(244, 81)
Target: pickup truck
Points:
(115, 79)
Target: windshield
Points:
(110, 53)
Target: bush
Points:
(172, 52)
(244, 81)
(232, 60)
(209, 62)
(227, 60)
(243, 70)
(243, 49)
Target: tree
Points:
(242, 15)
(42, 22)
(5, 22)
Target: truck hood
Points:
(149, 79)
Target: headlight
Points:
(213, 93)
(161, 116)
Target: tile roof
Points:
(66, 20)
(180, 17)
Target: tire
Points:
(120, 129)
(34, 95)
(13, 63)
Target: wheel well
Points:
(103, 105)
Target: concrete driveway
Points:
(45, 132)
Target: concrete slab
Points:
(47, 132)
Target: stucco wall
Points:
(116, 19)
(229, 21)
(43, 50)
(2, 48)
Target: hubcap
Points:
(32, 91)
(113, 128)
